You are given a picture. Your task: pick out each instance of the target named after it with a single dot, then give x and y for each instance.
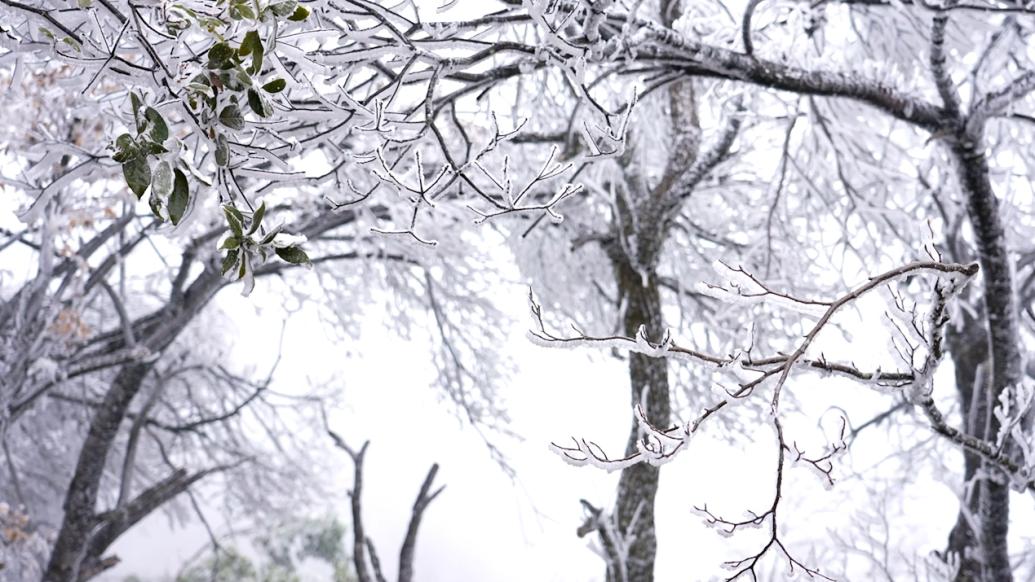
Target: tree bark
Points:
(80, 504)
(1003, 337)
(969, 348)
(648, 380)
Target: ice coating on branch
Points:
(645, 347)
(1015, 404)
(46, 369)
(744, 289)
(922, 386)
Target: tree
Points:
(596, 33)
(364, 553)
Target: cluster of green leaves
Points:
(227, 74)
(168, 184)
(230, 83)
(248, 242)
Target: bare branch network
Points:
(659, 445)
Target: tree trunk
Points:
(81, 499)
(969, 348)
(648, 379)
(1003, 337)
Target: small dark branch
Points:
(747, 567)
(983, 448)
(409, 547)
(663, 443)
(362, 546)
(942, 78)
(599, 521)
(46, 15)
(745, 27)
(699, 58)
(876, 420)
(994, 103)
(706, 162)
(375, 562)
(359, 537)
(824, 464)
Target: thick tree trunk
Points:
(1003, 337)
(82, 523)
(648, 377)
(81, 499)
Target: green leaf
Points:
(300, 14)
(179, 197)
(275, 86)
(233, 210)
(231, 117)
(232, 81)
(219, 55)
(231, 243)
(259, 104)
(235, 220)
(294, 255)
(162, 180)
(134, 101)
(159, 129)
(138, 174)
(248, 43)
(241, 11)
(260, 213)
(222, 151)
(154, 149)
(212, 25)
(252, 45)
(284, 9)
(229, 261)
(125, 148)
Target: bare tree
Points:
(364, 554)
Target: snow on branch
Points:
(659, 445)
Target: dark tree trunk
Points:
(1003, 338)
(969, 348)
(80, 505)
(82, 524)
(648, 379)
